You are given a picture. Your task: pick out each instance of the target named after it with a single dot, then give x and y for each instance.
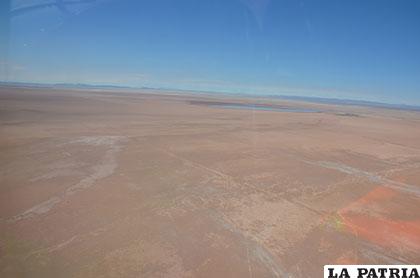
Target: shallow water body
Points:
(262, 107)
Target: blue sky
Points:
(363, 49)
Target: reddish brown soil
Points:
(154, 184)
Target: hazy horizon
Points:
(314, 99)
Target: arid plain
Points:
(159, 184)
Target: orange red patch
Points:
(359, 219)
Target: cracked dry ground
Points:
(107, 184)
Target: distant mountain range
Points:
(285, 97)
(349, 102)
(65, 85)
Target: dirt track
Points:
(103, 184)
